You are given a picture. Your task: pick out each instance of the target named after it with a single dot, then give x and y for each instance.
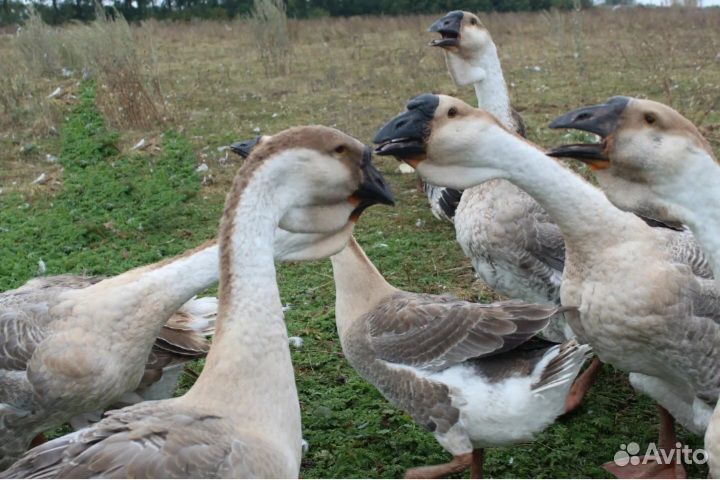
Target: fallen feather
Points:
(139, 144)
(41, 179)
(55, 93)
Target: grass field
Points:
(104, 208)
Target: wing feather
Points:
(435, 332)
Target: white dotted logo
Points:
(627, 454)
(681, 454)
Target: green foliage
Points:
(111, 209)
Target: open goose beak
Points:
(404, 136)
(245, 147)
(601, 120)
(449, 29)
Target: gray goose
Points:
(513, 244)
(241, 418)
(465, 371)
(466, 58)
(640, 304)
(652, 159)
(73, 346)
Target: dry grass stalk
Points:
(272, 37)
(129, 92)
(43, 48)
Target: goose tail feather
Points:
(565, 365)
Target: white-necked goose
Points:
(652, 159)
(513, 244)
(465, 371)
(639, 306)
(241, 418)
(72, 347)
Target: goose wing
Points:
(685, 250)
(688, 341)
(435, 332)
(21, 330)
(148, 440)
(25, 314)
(546, 245)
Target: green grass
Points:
(114, 211)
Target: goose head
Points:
(334, 182)
(647, 153)
(464, 41)
(447, 141)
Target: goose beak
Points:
(404, 136)
(601, 120)
(373, 189)
(245, 147)
(449, 29)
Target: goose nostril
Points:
(583, 116)
(400, 124)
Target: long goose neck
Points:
(359, 286)
(156, 290)
(491, 92)
(585, 216)
(695, 199)
(483, 70)
(248, 373)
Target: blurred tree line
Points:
(59, 11)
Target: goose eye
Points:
(650, 118)
(340, 149)
(473, 21)
(452, 112)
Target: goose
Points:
(241, 418)
(512, 243)
(465, 371)
(637, 164)
(468, 52)
(640, 305)
(651, 158)
(24, 318)
(72, 346)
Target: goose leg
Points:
(478, 460)
(581, 385)
(458, 464)
(650, 467)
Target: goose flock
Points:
(610, 272)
